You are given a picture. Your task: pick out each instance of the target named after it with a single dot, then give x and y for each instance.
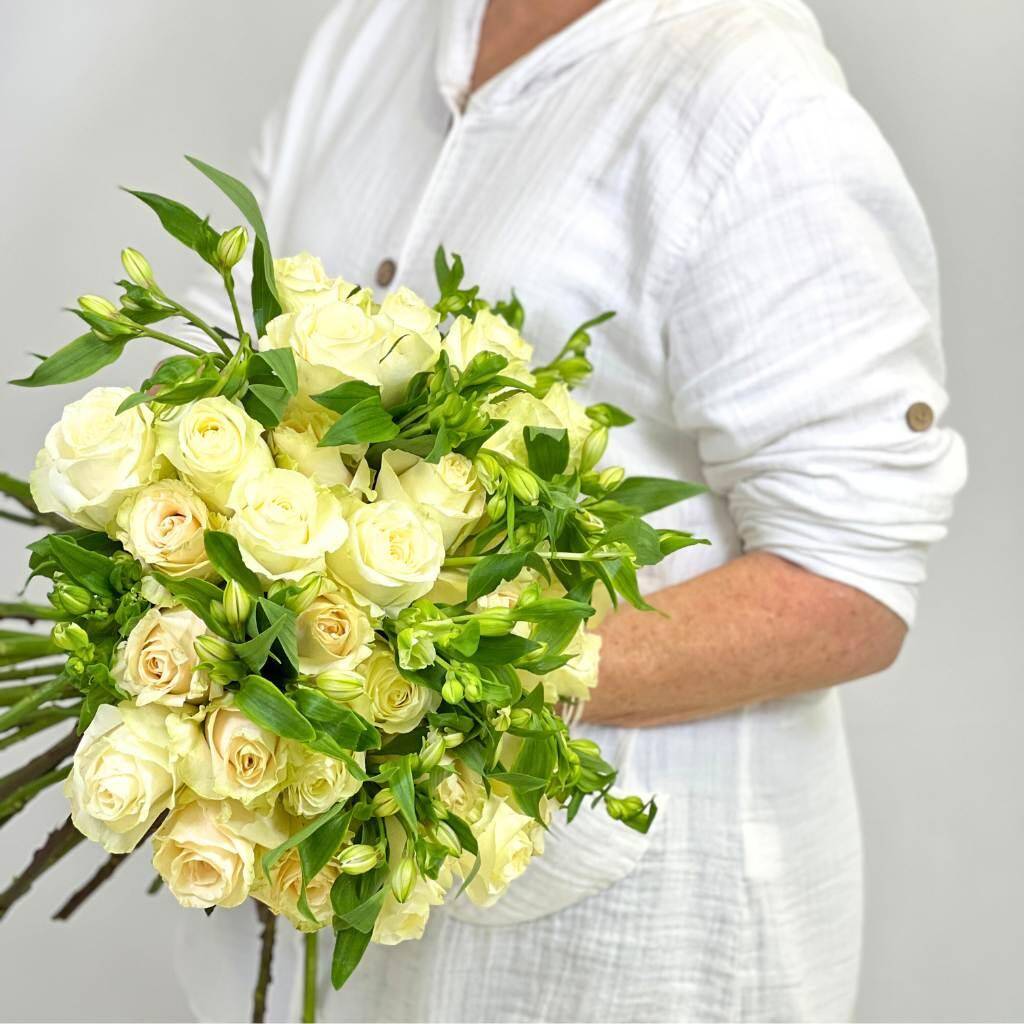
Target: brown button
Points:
(920, 417)
(386, 273)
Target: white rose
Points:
(404, 353)
(448, 490)
(302, 281)
(519, 411)
(409, 312)
(488, 332)
(577, 677)
(333, 342)
(206, 851)
(399, 922)
(333, 633)
(318, 782)
(93, 458)
(571, 415)
(295, 444)
(121, 779)
(213, 443)
(281, 893)
(219, 752)
(162, 525)
(157, 663)
(392, 556)
(507, 842)
(396, 704)
(462, 791)
(284, 524)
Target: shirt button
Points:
(920, 417)
(385, 273)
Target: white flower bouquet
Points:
(322, 588)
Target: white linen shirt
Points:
(698, 167)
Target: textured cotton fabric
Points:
(699, 168)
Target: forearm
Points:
(754, 629)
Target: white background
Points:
(98, 93)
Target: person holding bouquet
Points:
(699, 167)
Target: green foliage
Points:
(77, 360)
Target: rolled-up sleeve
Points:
(805, 352)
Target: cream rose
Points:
(318, 782)
(94, 458)
(488, 332)
(281, 893)
(213, 443)
(507, 842)
(461, 791)
(333, 633)
(448, 491)
(395, 703)
(392, 556)
(399, 922)
(302, 281)
(295, 444)
(162, 525)
(408, 312)
(219, 752)
(121, 779)
(157, 663)
(206, 851)
(284, 524)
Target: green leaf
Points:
(349, 947)
(225, 557)
(77, 360)
(404, 790)
(364, 423)
(195, 595)
(87, 568)
(547, 450)
(345, 727)
(641, 538)
(277, 364)
(491, 571)
(271, 857)
(502, 650)
(319, 847)
(536, 759)
(266, 403)
(623, 575)
(280, 627)
(268, 707)
(558, 608)
(264, 290)
(609, 415)
(676, 540)
(356, 900)
(646, 494)
(518, 781)
(182, 223)
(343, 397)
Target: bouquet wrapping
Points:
(323, 595)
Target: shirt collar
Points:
(607, 23)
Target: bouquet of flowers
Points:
(321, 589)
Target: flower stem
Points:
(49, 690)
(16, 801)
(17, 647)
(264, 977)
(60, 842)
(229, 287)
(198, 321)
(30, 671)
(551, 556)
(175, 342)
(27, 611)
(12, 694)
(29, 728)
(101, 875)
(39, 765)
(309, 989)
